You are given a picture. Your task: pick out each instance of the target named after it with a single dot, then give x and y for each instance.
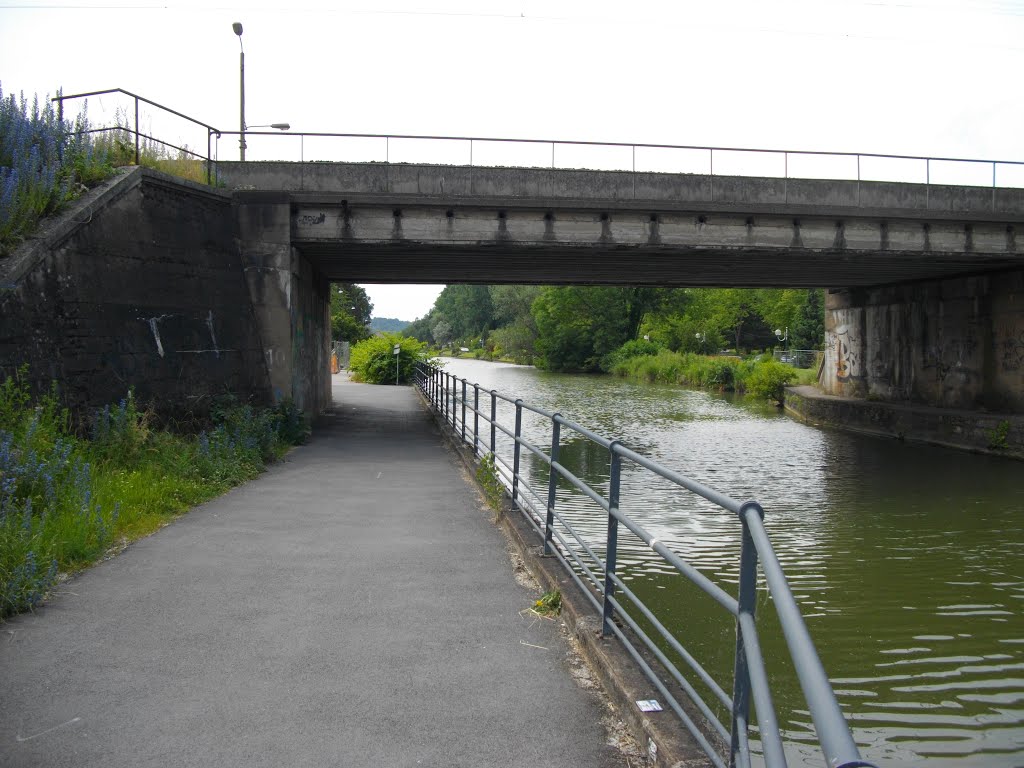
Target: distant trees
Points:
(577, 328)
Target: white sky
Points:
(918, 77)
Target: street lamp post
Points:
(782, 336)
(701, 338)
(237, 26)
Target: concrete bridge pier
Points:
(291, 301)
(956, 343)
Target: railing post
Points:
(494, 416)
(747, 598)
(209, 155)
(455, 403)
(476, 417)
(927, 183)
(516, 450)
(612, 548)
(444, 394)
(463, 410)
(549, 522)
(993, 185)
(136, 130)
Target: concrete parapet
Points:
(758, 194)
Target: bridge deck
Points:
(352, 606)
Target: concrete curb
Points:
(666, 741)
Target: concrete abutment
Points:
(956, 343)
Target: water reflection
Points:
(907, 561)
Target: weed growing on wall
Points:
(490, 482)
(66, 500)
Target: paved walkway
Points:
(353, 606)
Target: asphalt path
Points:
(353, 606)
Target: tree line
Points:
(578, 328)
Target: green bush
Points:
(373, 360)
(769, 379)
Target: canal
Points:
(907, 561)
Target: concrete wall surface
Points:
(956, 343)
(138, 285)
(996, 434)
(291, 301)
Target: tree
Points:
(351, 310)
(467, 309)
(808, 330)
(578, 326)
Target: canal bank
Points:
(979, 432)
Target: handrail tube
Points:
(142, 98)
(760, 688)
(673, 670)
(829, 724)
(710, 494)
(595, 580)
(695, 665)
(720, 596)
(750, 675)
(637, 145)
(579, 540)
(582, 487)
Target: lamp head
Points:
(237, 26)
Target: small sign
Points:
(649, 705)
(396, 348)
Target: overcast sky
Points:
(918, 77)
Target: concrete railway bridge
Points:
(183, 290)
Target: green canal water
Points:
(907, 561)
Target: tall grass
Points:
(66, 500)
(760, 376)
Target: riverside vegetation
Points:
(67, 500)
(46, 162)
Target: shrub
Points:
(769, 379)
(373, 360)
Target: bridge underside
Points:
(415, 243)
(634, 265)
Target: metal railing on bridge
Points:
(458, 403)
(635, 158)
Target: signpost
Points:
(396, 363)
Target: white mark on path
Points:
(531, 645)
(379, 474)
(11, 633)
(48, 730)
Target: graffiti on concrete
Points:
(949, 357)
(1013, 352)
(310, 220)
(845, 352)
